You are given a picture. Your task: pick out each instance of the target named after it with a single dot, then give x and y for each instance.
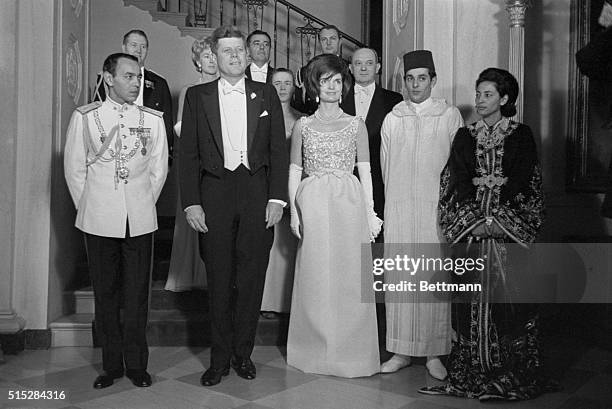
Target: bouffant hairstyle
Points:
(506, 84)
(197, 48)
(325, 66)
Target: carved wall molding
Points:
(74, 69)
(401, 10)
(398, 75)
(77, 5)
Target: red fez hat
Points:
(419, 59)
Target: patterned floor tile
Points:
(164, 358)
(164, 395)
(407, 381)
(420, 404)
(265, 354)
(333, 394)
(186, 367)
(77, 383)
(269, 380)
(252, 405)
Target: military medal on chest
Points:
(119, 154)
(144, 135)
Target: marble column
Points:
(10, 323)
(516, 10)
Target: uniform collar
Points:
(117, 106)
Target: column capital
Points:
(516, 9)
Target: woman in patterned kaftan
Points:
(491, 196)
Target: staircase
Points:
(175, 319)
(293, 42)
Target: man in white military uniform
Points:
(115, 164)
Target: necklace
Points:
(330, 118)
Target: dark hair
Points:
(258, 32)
(325, 65)
(506, 84)
(110, 63)
(287, 70)
(135, 31)
(329, 27)
(224, 32)
(196, 50)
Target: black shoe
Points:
(139, 378)
(244, 367)
(106, 379)
(213, 376)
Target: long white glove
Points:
(365, 176)
(295, 176)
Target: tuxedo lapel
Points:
(210, 101)
(247, 72)
(377, 101)
(146, 92)
(253, 98)
(348, 103)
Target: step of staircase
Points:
(148, 5)
(172, 18)
(165, 328)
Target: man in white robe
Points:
(416, 138)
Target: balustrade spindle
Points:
(288, 35)
(275, 31)
(235, 13)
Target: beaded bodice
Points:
(329, 151)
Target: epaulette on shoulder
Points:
(89, 107)
(152, 111)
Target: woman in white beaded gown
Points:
(332, 327)
(187, 270)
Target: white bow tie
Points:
(362, 90)
(254, 68)
(229, 88)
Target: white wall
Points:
(169, 53)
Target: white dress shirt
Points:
(232, 107)
(141, 90)
(259, 74)
(363, 99)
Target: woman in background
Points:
(279, 276)
(187, 270)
